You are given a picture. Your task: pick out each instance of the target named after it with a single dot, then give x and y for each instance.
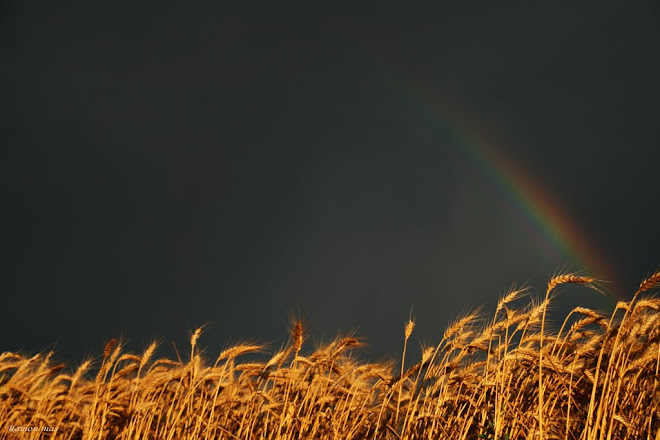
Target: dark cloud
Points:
(167, 167)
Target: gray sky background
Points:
(167, 165)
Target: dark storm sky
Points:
(166, 166)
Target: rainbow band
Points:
(545, 221)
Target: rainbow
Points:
(553, 230)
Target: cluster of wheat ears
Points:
(506, 376)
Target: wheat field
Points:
(498, 376)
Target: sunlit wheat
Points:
(500, 377)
